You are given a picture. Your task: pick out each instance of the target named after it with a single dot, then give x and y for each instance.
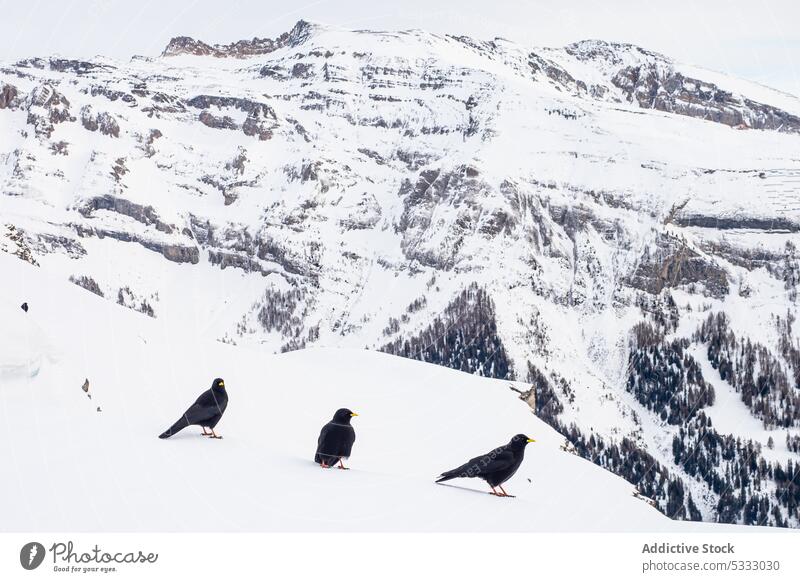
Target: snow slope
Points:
(69, 467)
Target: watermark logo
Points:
(31, 555)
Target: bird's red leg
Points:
(204, 432)
(215, 435)
(324, 465)
(341, 465)
(494, 491)
(504, 492)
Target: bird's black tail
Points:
(175, 428)
(452, 474)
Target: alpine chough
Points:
(336, 440)
(495, 467)
(205, 412)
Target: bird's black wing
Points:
(348, 439)
(322, 434)
(204, 408)
(497, 460)
(198, 414)
(324, 443)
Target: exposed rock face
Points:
(774, 223)
(128, 298)
(12, 241)
(462, 190)
(184, 45)
(8, 94)
(261, 119)
(60, 148)
(75, 66)
(222, 122)
(260, 122)
(173, 252)
(144, 214)
(113, 94)
(542, 66)
(102, 122)
(654, 82)
(177, 253)
(247, 263)
(46, 108)
(671, 263)
(671, 91)
(148, 145)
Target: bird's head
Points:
(218, 384)
(343, 415)
(521, 440)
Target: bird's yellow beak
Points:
(353, 414)
(222, 384)
(531, 440)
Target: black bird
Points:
(495, 467)
(205, 412)
(25, 307)
(336, 440)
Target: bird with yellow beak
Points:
(336, 440)
(495, 467)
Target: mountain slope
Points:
(565, 217)
(70, 467)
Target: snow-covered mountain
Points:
(611, 228)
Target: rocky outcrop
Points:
(462, 190)
(46, 108)
(113, 95)
(140, 213)
(174, 252)
(217, 122)
(12, 241)
(652, 81)
(260, 122)
(656, 87)
(8, 96)
(127, 298)
(75, 66)
(261, 119)
(543, 67)
(772, 223)
(239, 248)
(184, 45)
(149, 141)
(671, 263)
(247, 263)
(102, 122)
(44, 243)
(237, 164)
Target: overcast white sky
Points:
(754, 39)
